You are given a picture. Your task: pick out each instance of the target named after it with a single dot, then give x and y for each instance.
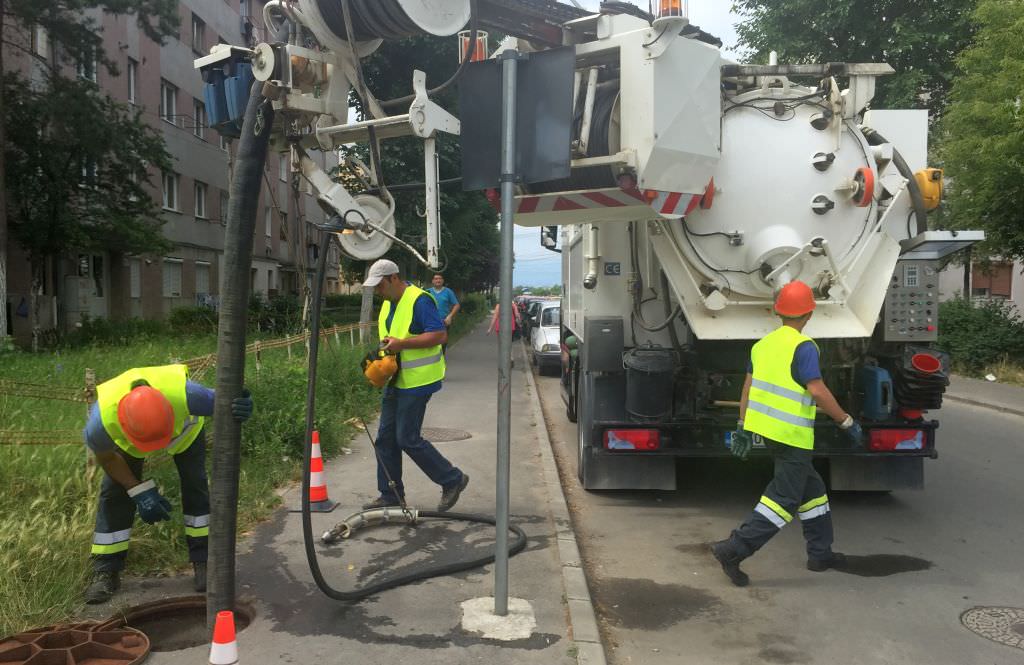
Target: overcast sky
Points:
(536, 266)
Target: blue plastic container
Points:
(216, 102)
(236, 89)
(878, 397)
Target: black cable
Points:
(516, 546)
(874, 138)
(473, 15)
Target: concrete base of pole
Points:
(478, 617)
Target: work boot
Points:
(380, 502)
(451, 495)
(730, 560)
(836, 560)
(104, 584)
(199, 576)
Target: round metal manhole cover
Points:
(1004, 625)
(85, 643)
(442, 434)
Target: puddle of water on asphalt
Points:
(883, 565)
(640, 603)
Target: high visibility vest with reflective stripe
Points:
(170, 381)
(778, 407)
(416, 367)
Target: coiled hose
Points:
(515, 547)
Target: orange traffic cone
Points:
(224, 649)
(318, 501)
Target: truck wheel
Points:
(572, 385)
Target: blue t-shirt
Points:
(425, 318)
(805, 367)
(445, 300)
(198, 397)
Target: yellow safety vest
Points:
(416, 367)
(778, 407)
(170, 381)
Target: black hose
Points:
(517, 546)
(920, 212)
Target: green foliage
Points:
(193, 320)
(97, 330)
(75, 182)
(469, 233)
(977, 336)
(919, 39)
(983, 131)
(473, 303)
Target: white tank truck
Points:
(699, 187)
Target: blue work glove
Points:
(152, 506)
(241, 407)
(742, 442)
(856, 433)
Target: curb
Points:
(986, 405)
(582, 617)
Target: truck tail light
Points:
(632, 439)
(896, 439)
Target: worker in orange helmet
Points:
(781, 395)
(137, 414)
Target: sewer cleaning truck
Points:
(699, 187)
(693, 188)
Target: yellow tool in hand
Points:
(379, 366)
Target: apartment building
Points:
(161, 80)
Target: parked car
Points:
(546, 350)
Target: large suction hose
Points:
(920, 212)
(307, 525)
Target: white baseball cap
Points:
(379, 270)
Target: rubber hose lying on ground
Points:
(308, 539)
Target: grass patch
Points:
(48, 504)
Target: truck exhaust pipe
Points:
(592, 256)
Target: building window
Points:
(168, 102)
(202, 278)
(89, 172)
(135, 278)
(86, 64)
(171, 191)
(271, 284)
(225, 143)
(41, 41)
(268, 220)
(200, 197)
(132, 74)
(283, 166)
(199, 118)
(225, 201)
(198, 30)
(994, 282)
(172, 277)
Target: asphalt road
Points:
(921, 560)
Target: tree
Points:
(73, 182)
(65, 22)
(469, 244)
(983, 131)
(919, 39)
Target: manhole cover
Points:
(999, 624)
(81, 643)
(173, 624)
(442, 434)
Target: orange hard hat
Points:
(794, 299)
(146, 418)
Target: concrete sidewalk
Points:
(419, 623)
(988, 394)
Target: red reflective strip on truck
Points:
(669, 207)
(563, 203)
(603, 200)
(694, 202)
(528, 205)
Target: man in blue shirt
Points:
(416, 338)
(447, 304)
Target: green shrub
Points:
(982, 334)
(96, 330)
(193, 320)
(473, 303)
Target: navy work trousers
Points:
(401, 421)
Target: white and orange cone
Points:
(224, 648)
(318, 500)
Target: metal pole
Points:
(508, 175)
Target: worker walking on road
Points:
(409, 326)
(138, 413)
(781, 394)
(447, 304)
